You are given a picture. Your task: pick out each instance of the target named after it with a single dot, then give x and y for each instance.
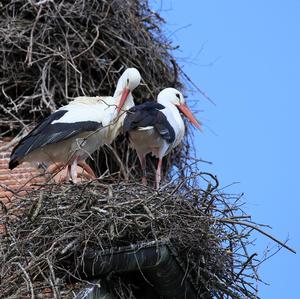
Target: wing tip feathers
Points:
(13, 164)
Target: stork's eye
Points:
(127, 81)
(178, 95)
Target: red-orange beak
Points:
(187, 112)
(124, 96)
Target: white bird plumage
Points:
(159, 133)
(79, 129)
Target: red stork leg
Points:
(68, 176)
(158, 173)
(74, 171)
(89, 171)
(56, 168)
(143, 165)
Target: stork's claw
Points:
(144, 181)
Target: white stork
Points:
(157, 127)
(72, 133)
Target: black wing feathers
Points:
(164, 128)
(47, 133)
(148, 114)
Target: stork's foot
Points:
(157, 180)
(74, 171)
(62, 173)
(90, 174)
(157, 185)
(70, 182)
(158, 173)
(54, 170)
(144, 181)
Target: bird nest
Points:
(48, 232)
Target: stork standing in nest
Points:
(157, 128)
(73, 132)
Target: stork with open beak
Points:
(72, 133)
(157, 128)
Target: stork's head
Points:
(129, 80)
(175, 97)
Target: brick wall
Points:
(23, 177)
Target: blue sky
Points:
(246, 56)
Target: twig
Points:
(29, 51)
(28, 280)
(258, 229)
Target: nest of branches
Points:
(48, 232)
(53, 51)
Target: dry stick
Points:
(44, 90)
(29, 51)
(9, 98)
(42, 2)
(52, 279)
(175, 71)
(15, 117)
(92, 44)
(241, 240)
(70, 26)
(108, 71)
(148, 88)
(245, 265)
(14, 141)
(14, 192)
(122, 167)
(214, 178)
(28, 280)
(247, 254)
(258, 229)
(199, 90)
